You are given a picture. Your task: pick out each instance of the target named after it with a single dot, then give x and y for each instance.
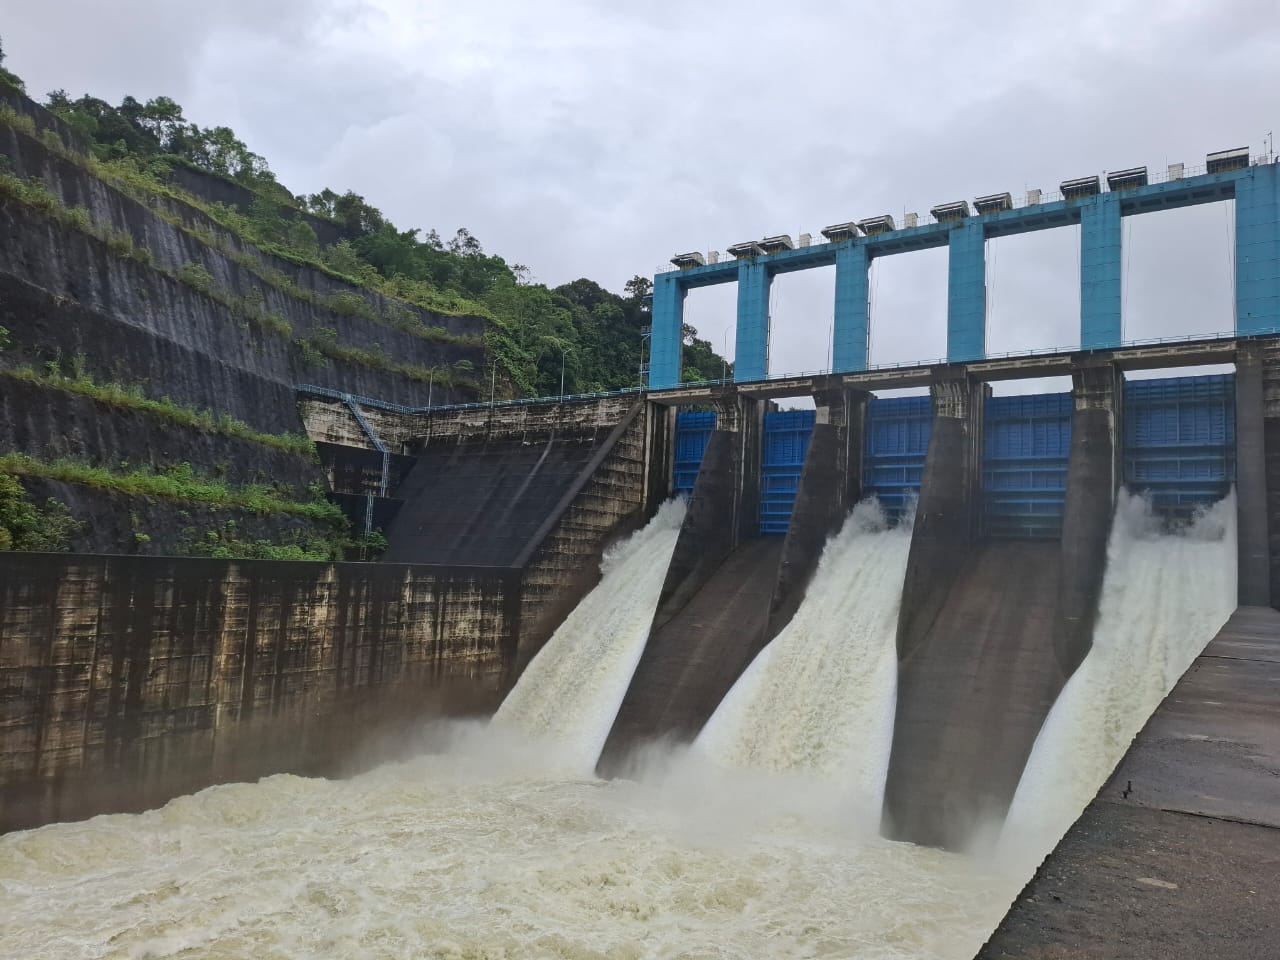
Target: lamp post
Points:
(724, 370)
(563, 351)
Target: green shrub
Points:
(178, 482)
(197, 277)
(26, 526)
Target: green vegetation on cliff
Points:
(28, 526)
(591, 333)
(131, 397)
(8, 78)
(178, 482)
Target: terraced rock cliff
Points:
(150, 354)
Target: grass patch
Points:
(324, 344)
(175, 483)
(131, 397)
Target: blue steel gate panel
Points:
(693, 430)
(898, 430)
(1180, 440)
(786, 442)
(1026, 447)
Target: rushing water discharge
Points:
(1165, 597)
(497, 844)
(571, 691)
(819, 699)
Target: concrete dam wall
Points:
(129, 680)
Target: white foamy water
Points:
(474, 853)
(819, 699)
(1164, 598)
(570, 692)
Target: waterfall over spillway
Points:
(570, 692)
(1164, 598)
(819, 699)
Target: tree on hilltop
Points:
(9, 77)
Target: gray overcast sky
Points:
(598, 138)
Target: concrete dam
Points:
(676, 670)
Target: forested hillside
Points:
(533, 328)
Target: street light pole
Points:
(563, 351)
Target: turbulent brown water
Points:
(494, 845)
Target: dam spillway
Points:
(482, 844)
(701, 662)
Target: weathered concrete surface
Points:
(946, 519)
(1271, 447)
(708, 534)
(1178, 855)
(973, 692)
(1253, 533)
(127, 681)
(488, 497)
(1093, 477)
(990, 632)
(692, 660)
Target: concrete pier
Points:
(991, 630)
(829, 487)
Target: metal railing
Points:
(306, 389)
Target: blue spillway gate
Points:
(693, 430)
(1180, 440)
(897, 430)
(786, 442)
(1026, 446)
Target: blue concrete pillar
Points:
(751, 357)
(1100, 300)
(1258, 250)
(668, 331)
(849, 351)
(967, 293)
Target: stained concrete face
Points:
(990, 630)
(131, 680)
(1253, 528)
(1093, 474)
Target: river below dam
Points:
(761, 840)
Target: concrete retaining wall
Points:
(126, 681)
